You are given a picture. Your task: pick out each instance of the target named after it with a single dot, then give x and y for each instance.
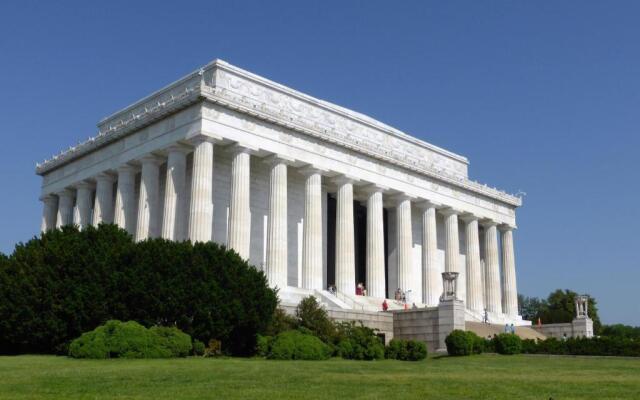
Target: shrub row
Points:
(117, 339)
(464, 343)
(596, 346)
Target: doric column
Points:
(345, 248)
(375, 243)
(239, 213)
(451, 240)
(103, 209)
(84, 200)
(475, 292)
(201, 205)
(510, 291)
(175, 194)
(312, 230)
(492, 267)
(277, 252)
(431, 274)
(65, 208)
(148, 202)
(406, 280)
(125, 208)
(49, 212)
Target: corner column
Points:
(240, 214)
(65, 208)
(475, 292)
(125, 208)
(49, 211)
(173, 223)
(492, 267)
(312, 230)
(148, 204)
(277, 250)
(103, 209)
(431, 274)
(510, 291)
(345, 246)
(375, 243)
(201, 205)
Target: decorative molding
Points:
(231, 87)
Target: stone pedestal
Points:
(450, 317)
(582, 327)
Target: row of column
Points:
(170, 223)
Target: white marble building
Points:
(313, 193)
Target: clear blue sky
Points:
(541, 96)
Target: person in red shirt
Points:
(385, 306)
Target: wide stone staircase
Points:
(486, 330)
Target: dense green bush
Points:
(596, 346)
(66, 282)
(263, 345)
(508, 343)
(462, 343)
(295, 345)
(117, 339)
(312, 316)
(359, 342)
(198, 348)
(406, 350)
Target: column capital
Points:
(447, 211)
(150, 159)
(468, 217)
(127, 168)
(84, 185)
(401, 197)
(488, 223)
(178, 148)
(200, 138)
(342, 179)
(373, 188)
(274, 159)
(426, 204)
(47, 197)
(105, 177)
(66, 193)
(311, 169)
(240, 147)
(506, 227)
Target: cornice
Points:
(270, 101)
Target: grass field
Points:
(477, 377)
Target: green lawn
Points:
(477, 377)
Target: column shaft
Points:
(84, 200)
(148, 203)
(475, 296)
(375, 245)
(510, 291)
(201, 205)
(312, 233)
(49, 212)
(125, 208)
(173, 224)
(492, 269)
(103, 209)
(406, 280)
(431, 276)
(65, 208)
(452, 243)
(345, 251)
(240, 214)
(277, 252)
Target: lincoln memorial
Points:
(312, 193)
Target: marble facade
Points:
(225, 155)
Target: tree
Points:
(530, 307)
(66, 282)
(560, 307)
